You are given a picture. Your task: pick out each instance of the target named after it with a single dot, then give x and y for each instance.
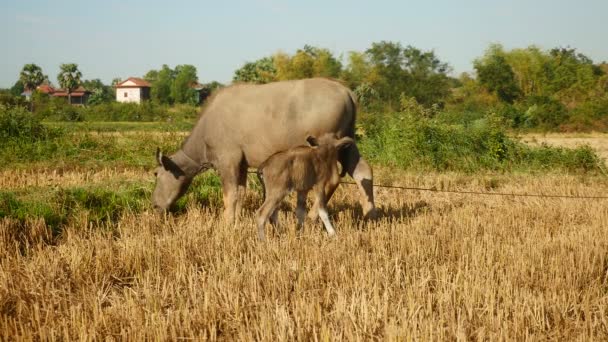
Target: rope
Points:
(475, 192)
(480, 192)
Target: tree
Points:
(426, 79)
(69, 78)
(261, 71)
(17, 89)
(151, 76)
(307, 62)
(496, 74)
(358, 70)
(181, 88)
(572, 76)
(100, 92)
(31, 76)
(161, 86)
(396, 71)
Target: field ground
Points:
(434, 266)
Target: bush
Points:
(56, 109)
(544, 112)
(8, 100)
(17, 123)
(590, 115)
(410, 141)
(146, 111)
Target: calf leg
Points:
(320, 198)
(301, 209)
(361, 172)
(274, 218)
(330, 188)
(267, 209)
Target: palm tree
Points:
(31, 77)
(69, 78)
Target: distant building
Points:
(132, 89)
(200, 93)
(79, 96)
(27, 93)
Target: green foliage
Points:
(161, 85)
(53, 108)
(69, 77)
(413, 140)
(9, 100)
(366, 96)
(12, 207)
(260, 71)
(31, 76)
(395, 70)
(100, 93)
(18, 124)
(181, 89)
(174, 86)
(545, 113)
(17, 89)
(497, 75)
(306, 63)
(99, 206)
(146, 111)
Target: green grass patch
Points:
(100, 206)
(407, 141)
(121, 126)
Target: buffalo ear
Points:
(170, 166)
(344, 142)
(312, 141)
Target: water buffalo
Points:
(243, 125)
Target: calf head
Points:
(330, 140)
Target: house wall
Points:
(132, 95)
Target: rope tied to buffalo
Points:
(481, 193)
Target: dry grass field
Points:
(434, 266)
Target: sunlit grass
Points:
(434, 266)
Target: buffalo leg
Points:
(361, 172)
(242, 186)
(230, 188)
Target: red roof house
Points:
(133, 89)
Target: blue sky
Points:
(124, 38)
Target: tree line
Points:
(559, 88)
(528, 87)
(168, 86)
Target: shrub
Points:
(545, 113)
(590, 115)
(146, 111)
(20, 124)
(8, 100)
(413, 142)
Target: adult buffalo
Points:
(244, 124)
